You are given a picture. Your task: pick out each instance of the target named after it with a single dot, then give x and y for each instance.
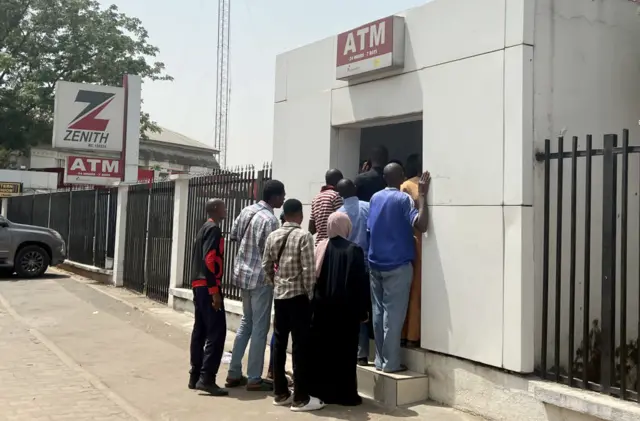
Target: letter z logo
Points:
(88, 118)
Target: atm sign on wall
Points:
(374, 47)
(92, 170)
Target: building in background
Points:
(162, 154)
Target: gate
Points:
(238, 189)
(104, 213)
(59, 218)
(111, 224)
(84, 218)
(81, 228)
(40, 211)
(136, 234)
(20, 209)
(159, 239)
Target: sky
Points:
(186, 33)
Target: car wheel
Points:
(31, 262)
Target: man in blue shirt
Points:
(392, 218)
(358, 212)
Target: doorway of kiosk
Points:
(401, 141)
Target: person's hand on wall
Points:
(424, 183)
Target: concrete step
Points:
(392, 390)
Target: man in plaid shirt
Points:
(292, 250)
(250, 230)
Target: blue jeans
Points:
(390, 299)
(363, 341)
(256, 319)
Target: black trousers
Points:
(292, 316)
(208, 336)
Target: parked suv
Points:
(29, 250)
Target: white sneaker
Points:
(314, 404)
(286, 402)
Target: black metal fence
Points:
(147, 263)
(590, 297)
(81, 217)
(238, 188)
(158, 269)
(136, 235)
(20, 209)
(59, 218)
(82, 227)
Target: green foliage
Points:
(42, 41)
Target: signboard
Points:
(10, 189)
(88, 117)
(92, 170)
(374, 47)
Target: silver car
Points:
(29, 250)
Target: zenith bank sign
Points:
(88, 117)
(92, 170)
(374, 47)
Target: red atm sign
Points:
(92, 170)
(372, 47)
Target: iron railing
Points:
(136, 237)
(590, 307)
(158, 267)
(82, 226)
(40, 210)
(80, 216)
(238, 188)
(59, 218)
(20, 209)
(101, 226)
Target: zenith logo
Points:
(86, 126)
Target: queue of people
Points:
(359, 275)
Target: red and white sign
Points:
(92, 170)
(373, 47)
(89, 117)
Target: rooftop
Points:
(177, 139)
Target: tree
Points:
(43, 41)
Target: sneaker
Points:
(402, 368)
(283, 400)
(313, 404)
(211, 388)
(363, 362)
(231, 383)
(260, 386)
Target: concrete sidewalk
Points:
(74, 350)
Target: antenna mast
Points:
(223, 87)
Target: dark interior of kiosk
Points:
(401, 140)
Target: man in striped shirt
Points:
(324, 204)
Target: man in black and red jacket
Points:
(210, 326)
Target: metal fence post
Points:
(609, 178)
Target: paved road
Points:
(71, 350)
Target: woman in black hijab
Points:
(340, 304)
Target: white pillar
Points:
(5, 206)
(133, 87)
(179, 233)
(121, 235)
